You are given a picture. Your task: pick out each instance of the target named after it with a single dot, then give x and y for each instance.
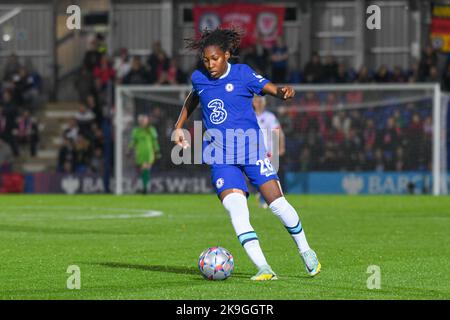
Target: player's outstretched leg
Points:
(236, 205)
(290, 219)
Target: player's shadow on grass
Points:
(162, 268)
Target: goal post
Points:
(312, 104)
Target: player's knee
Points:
(279, 205)
(235, 202)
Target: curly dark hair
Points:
(225, 39)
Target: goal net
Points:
(357, 129)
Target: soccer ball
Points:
(216, 263)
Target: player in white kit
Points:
(274, 139)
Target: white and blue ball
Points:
(216, 263)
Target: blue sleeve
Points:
(254, 82)
(194, 82)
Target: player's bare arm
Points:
(190, 104)
(286, 92)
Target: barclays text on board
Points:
(359, 183)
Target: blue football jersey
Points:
(233, 134)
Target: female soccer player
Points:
(144, 141)
(225, 92)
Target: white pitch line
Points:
(126, 213)
(148, 214)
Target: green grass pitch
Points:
(123, 255)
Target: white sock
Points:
(290, 219)
(236, 205)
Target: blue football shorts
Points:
(231, 176)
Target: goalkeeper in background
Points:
(144, 141)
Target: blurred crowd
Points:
(273, 62)
(382, 137)
(387, 137)
(84, 138)
(20, 98)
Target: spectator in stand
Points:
(370, 133)
(433, 75)
(313, 70)
(96, 137)
(72, 131)
(67, 168)
(104, 72)
(446, 79)
(305, 160)
(327, 160)
(19, 82)
(83, 154)
(369, 158)
(85, 117)
(382, 74)
(25, 87)
(84, 83)
(330, 70)
(398, 75)
(100, 97)
(92, 56)
(388, 141)
(162, 68)
(413, 72)
(326, 116)
(415, 137)
(8, 125)
(399, 159)
(311, 104)
(341, 122)
(257, 57)
(28, 132)
(428, 59)
(137, 74)
(342, 75)
(428, 128)
(6, 157)
(122, 65)
(363, 75)
(158, 62)
(101, 44)
(351, 145)
(96, 162)
(3, 124)
(66, 156)
(279, 61)
(399, 119)
(379, 165)
(175, 75)
(11, 68)
(93, 105)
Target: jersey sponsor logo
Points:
(219, 114)
(229, 87)
(219, 183)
